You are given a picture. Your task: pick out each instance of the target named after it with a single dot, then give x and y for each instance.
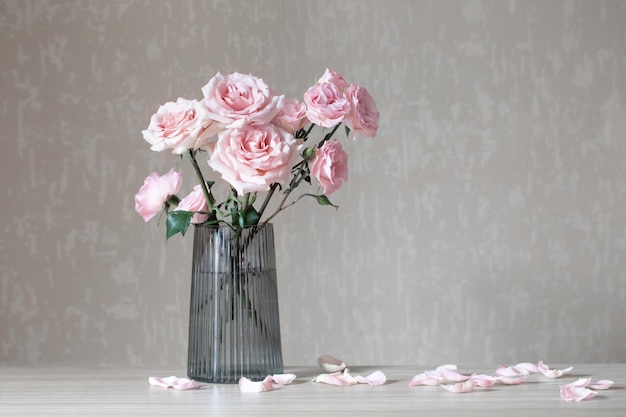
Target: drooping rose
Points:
(195, 201)
(292, 116)
(363, 119)
(155, 191)
(237, 99)
(180, 126)
(253, 157)
(330, 166)
(326, 104)
(332, 77)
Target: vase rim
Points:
(224, 225)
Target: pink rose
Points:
(238, 99)
(195, 201)
(253, 157)
(332, 77)
(181, 125)
(363, 119)
(330, 166)
(327, 106)
(292, 117)
(155, 191)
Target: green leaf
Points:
(324, 201)
(252, 217)
(177, 222)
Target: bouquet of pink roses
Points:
(256, 140)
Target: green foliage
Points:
(177, 222)
(322, 199)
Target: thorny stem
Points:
(296, 181)
(298, 177)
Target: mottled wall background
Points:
(486, 223)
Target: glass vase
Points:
(234, 325)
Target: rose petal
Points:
(552, 373)
(336, 378)
(448, 366)
(424, 379)
(184, 384)
(527, 366)
(482, 380)
(511, 379)
(452, 375)
(602, 384)
(571, 392)
(282, 379)
(510, 371)
(460, 387)
(375, 378)
(331, 364)
(246, 385)
(581, 382)
(173, 382)
(159, 382)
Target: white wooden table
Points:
(126, 392)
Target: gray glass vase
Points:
(234, 324)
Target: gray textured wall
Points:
(485, 223)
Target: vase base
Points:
(233, 377)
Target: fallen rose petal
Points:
(603, 384)
(571, 392)
(331, 364)
(424, 379)
(552, 373)
(345, 375)
(460, 387)
(512, 379)
(527, 366)
(510, 371)
(452, 375)
(581, 382)
(246, 385)
(586, 382)
(336, 378)
(173, 382)
(282, 379)
(446, 367)
(482, 380)
(159, 382)
(185, 384)
(375, 378)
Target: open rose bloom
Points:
(155, 193)
(259, 143)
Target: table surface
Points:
(126, 392)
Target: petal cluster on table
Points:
(446, 376)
